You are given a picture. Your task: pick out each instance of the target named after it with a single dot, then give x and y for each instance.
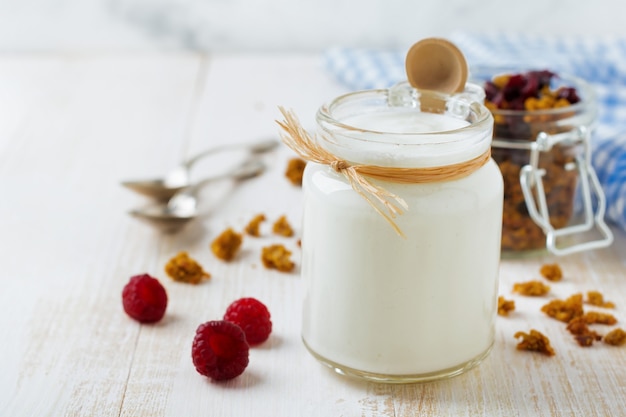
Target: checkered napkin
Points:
(599, 61)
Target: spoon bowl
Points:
(159, 217)
(162, 189)
(173, 215)
(436, 64)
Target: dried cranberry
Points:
(569, 94)
(544, 77)
(516, 81)
(531, 89)
(491, 90)
(498, 99)
(517, 103)
(513, 87)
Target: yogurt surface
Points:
(405, 121)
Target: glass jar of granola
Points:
(411, 296)
(542, 128)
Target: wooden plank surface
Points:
(73, 126)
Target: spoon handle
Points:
(250, 168)
(255, 147)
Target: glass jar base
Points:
(400, 379)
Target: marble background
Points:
(286, 25)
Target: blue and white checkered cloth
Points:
(599, 61)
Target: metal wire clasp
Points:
(531, 180)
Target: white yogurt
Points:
(405, 120)
(389, 308)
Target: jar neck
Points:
(404, 127)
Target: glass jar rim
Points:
(326, 113)
(408, 145)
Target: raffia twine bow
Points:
(387, 204)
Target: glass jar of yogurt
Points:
(393, 308)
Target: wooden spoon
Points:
(436, 64)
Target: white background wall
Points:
(236, 25)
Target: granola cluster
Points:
(282, 227)
(505, 306)
(581, 331)
(276, 256)
(616, 337)
(570, 310)
(534, 341)
(295, 170)
(227, 244)
(551, 272)
(595, 298)
(253, 228)
(565, 310)
(183, 268)
(531, 288)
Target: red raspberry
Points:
(253, 317)
(220, 350)
(144, 299)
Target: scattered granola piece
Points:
(565, 310)
(531, 288)
(505, 306)
(253, 226)
(277, 257)
(551, 272)
(595, 298)
(182, 268)
(227, 244)
(282, 227)
(616, 337)
(577, 325)
(534, 342)
(595, 317)
(583, 335)
(587, 339)
(295, 169)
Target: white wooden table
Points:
(73, 126)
